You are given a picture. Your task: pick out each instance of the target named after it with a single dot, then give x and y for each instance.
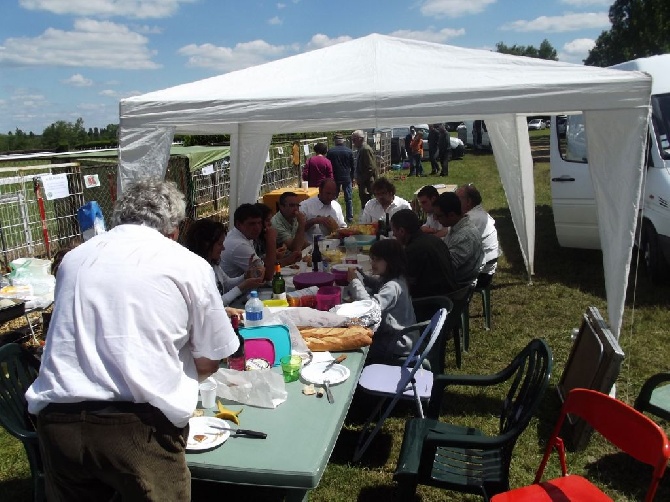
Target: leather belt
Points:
(100, 407)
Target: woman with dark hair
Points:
(318, 167)
(205, 238)
(389, 289)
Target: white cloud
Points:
(576, 50)
(78, 80)
(430, 35)
(559, 24)
(320, 40)
(240, 56)
(148, 30)
(109, 93)
(275, 21)
(588, 3)
(453, 8)
(93, 44)
(281, 5)
(139, 9)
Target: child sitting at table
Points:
(205, 238)
(390, 291)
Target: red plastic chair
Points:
(620, 424)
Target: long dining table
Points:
(301, 434)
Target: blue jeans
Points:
(416, 166)
(346, 187)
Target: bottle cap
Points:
(254, 294)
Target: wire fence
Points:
(34, 223)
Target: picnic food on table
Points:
(199, 438)
(336, 339)
(228, 414)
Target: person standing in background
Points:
(342, 159)
(366, 166)
(433, 145)
(416, 146)
(443, 149)
(119, 375)
(318, 167)
(295, 159)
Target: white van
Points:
(575, 214)
(473, 133)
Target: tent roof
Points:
(379, 81)
(375, 83)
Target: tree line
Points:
(640, 28)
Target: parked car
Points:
(456, 151)
(536, 124)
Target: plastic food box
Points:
(11, 308)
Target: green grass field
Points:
(565, 283)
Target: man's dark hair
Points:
(383, 184)
(324, 182)
(321, 148)
(246, 211)
(407, 219)
(284, 196)
(472, 193)
(448, 202)
(428, 191)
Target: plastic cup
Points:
(208, 393)
(304, 185)
(290, 367)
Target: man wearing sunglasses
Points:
(289, 223)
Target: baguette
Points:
(336, 339)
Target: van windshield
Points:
(660, 112)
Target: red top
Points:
(317, 168)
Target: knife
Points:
(329, 395)
(337, 360)
(241, 432)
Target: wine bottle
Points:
(237, 361)
(380, 229)
(278, 284)
(387, 226)
(316, 254)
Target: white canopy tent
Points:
(378, 81)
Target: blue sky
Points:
(64, 59)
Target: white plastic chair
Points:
(409, 381)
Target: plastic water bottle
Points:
(253, 310)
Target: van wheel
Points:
(657, 268)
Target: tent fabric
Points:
(456, 83)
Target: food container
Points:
(309, 279)
(11, 308)
(340, 272)
(327, 297)
(257, 363)
(364, 240)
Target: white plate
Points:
(354, 309)
(206, 426)
(313, 373)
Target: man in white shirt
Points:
(471, 203)
(137, 322)
(323, 214)
(426, 198)
(239, 254)
(385, 202)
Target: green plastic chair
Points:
(18, 371)
(463, 458)
(654, 398)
